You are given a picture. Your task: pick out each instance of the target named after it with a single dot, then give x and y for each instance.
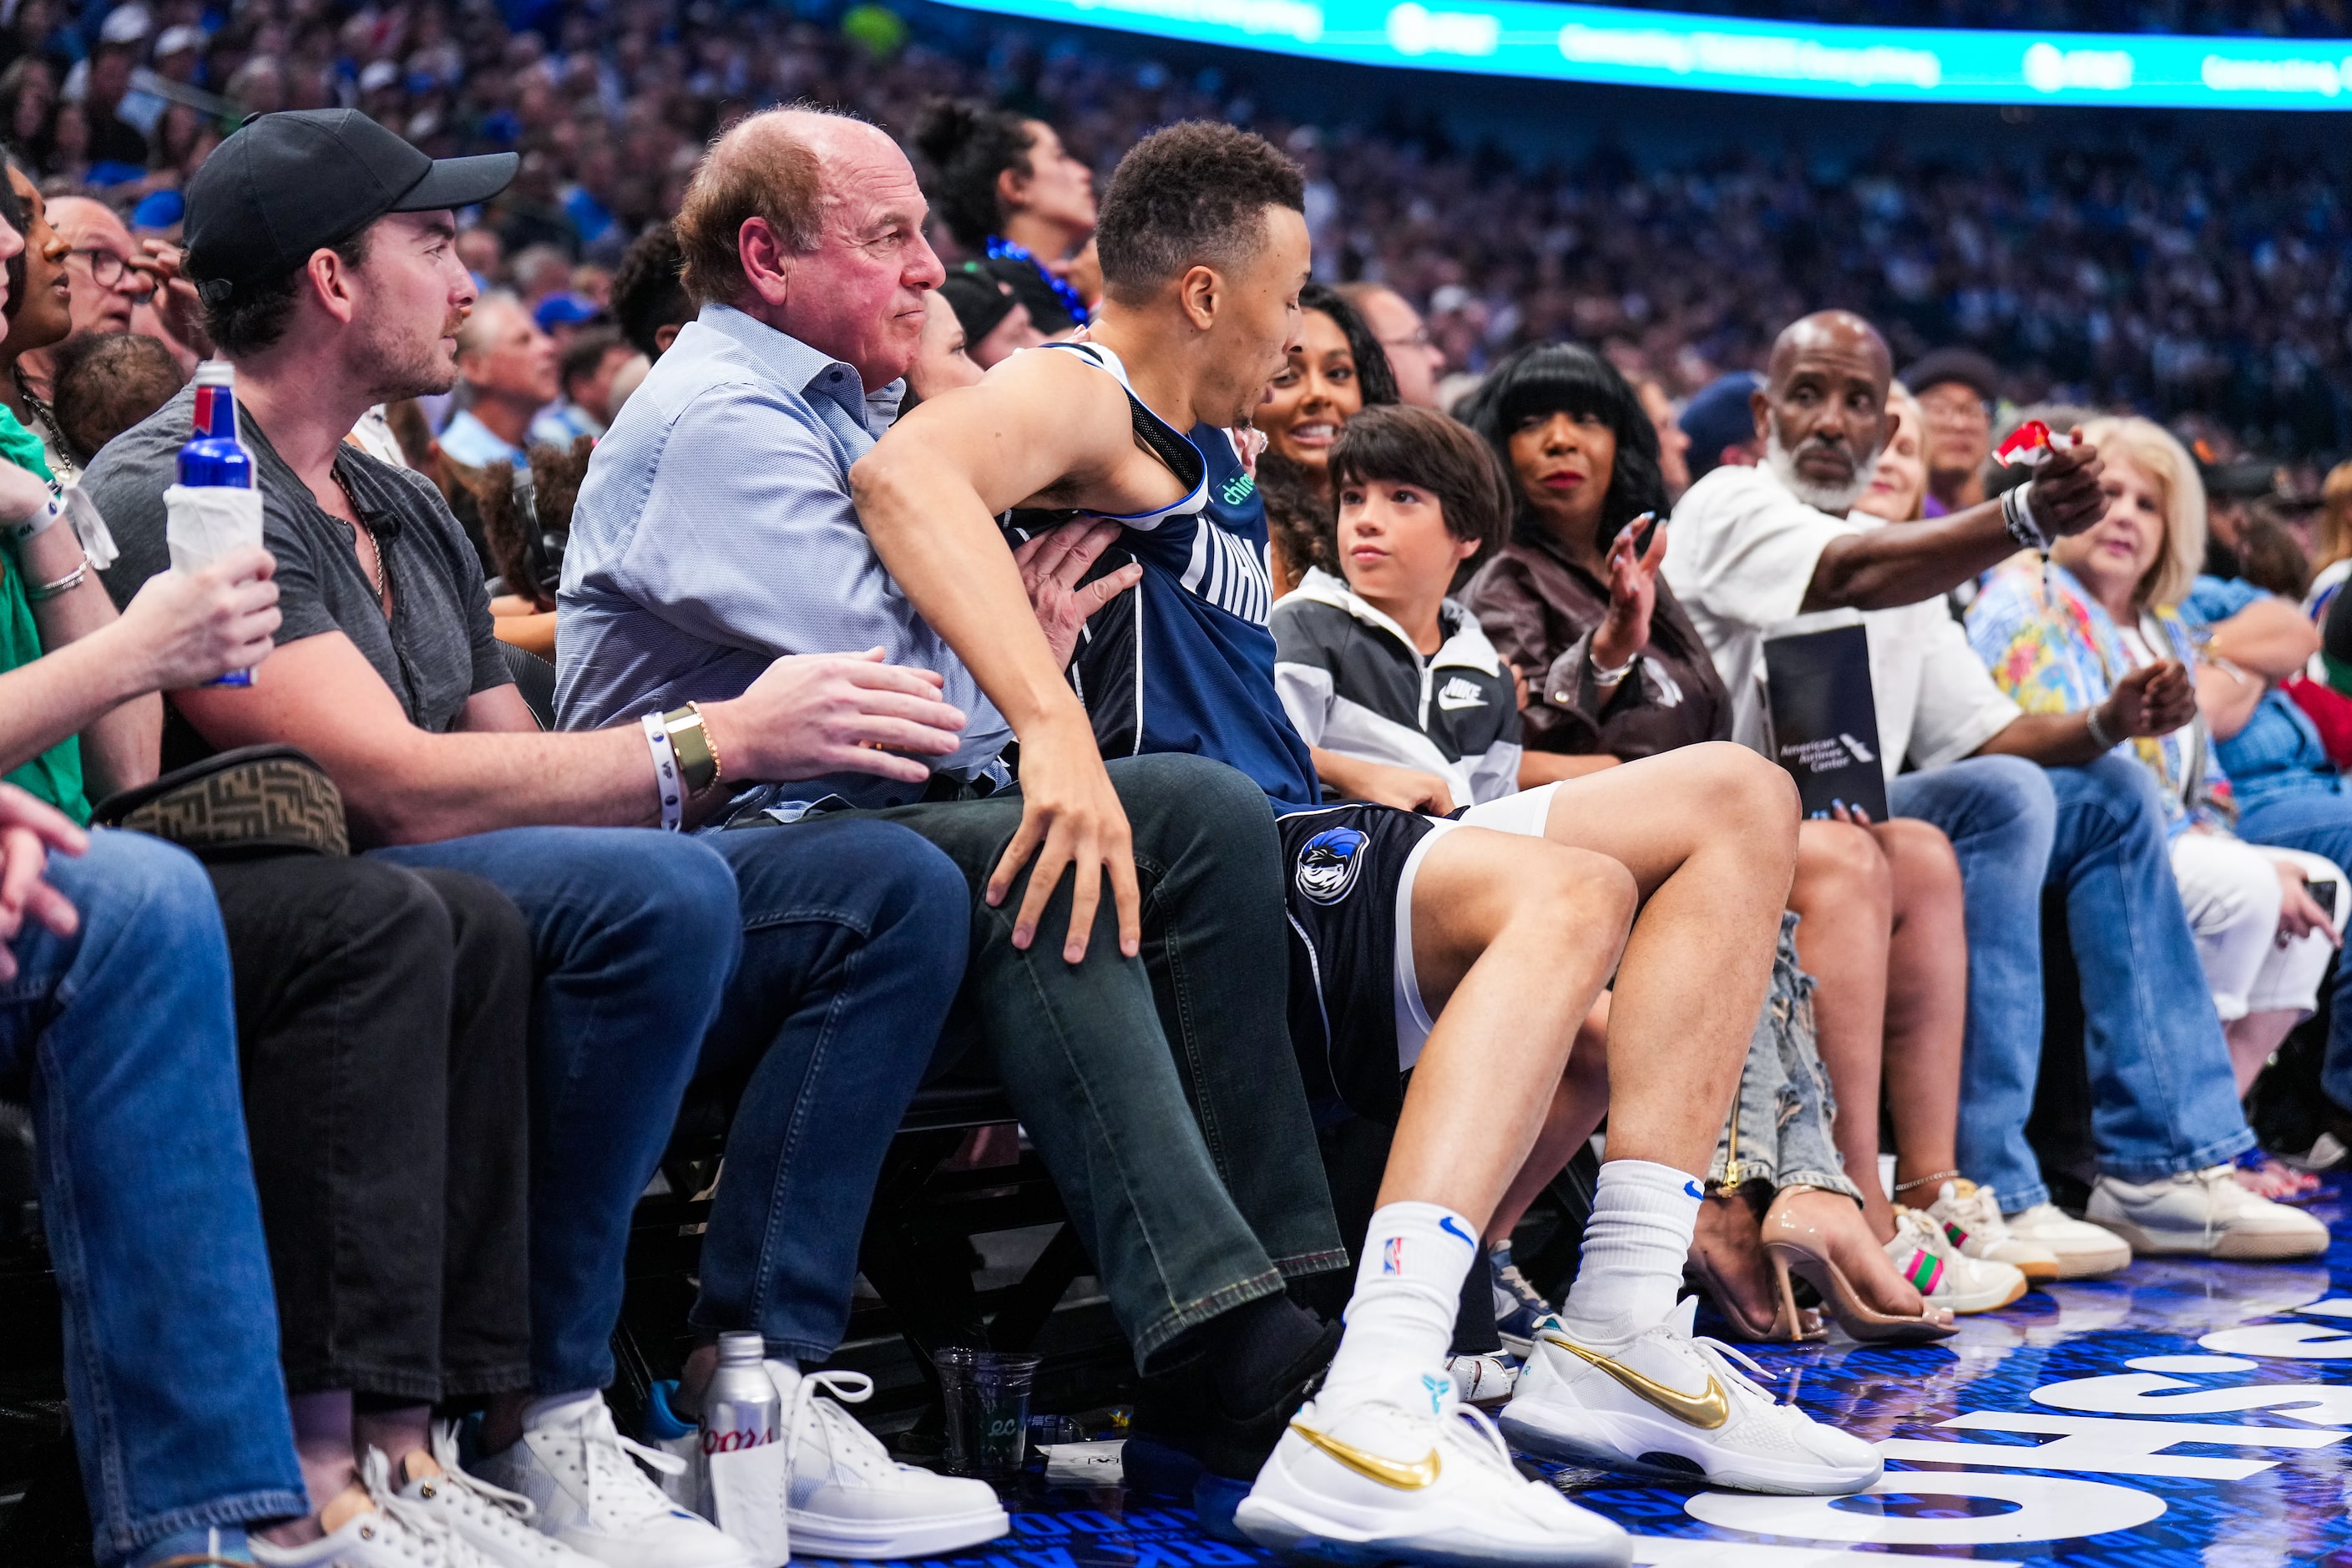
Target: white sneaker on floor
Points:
(372, 1528)
(2204, 1214)
(2085, 1251)
(497, 1524)
(1485, 1379)
(1378, 1481)
(581, 1477)
(1970, 1220)
(1661, 1403)
(850, 1499)
(1944, 1274)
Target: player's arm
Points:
(929, 494)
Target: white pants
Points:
(2230, 890)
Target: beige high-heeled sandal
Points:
(1800, 1248)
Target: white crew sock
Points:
(1401, 1318)
(1634, 1247)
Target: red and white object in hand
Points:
(2033, 443)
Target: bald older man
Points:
(2032, 803)
(1149, 1059)
(511, 371)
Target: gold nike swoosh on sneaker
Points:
(1404, 1477)
(1705, 1411)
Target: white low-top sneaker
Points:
(496, 1523)
(1943, 1273)
(849, 1498)
(1485, 1379)
(582, 1479)
(1378, 1483)
(1661, 1403)
(1970, 1220)
(2083, 1251)
(370, 1526)
(2204, 1214)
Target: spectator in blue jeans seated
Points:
(325, 247)
(2028, 800)
(117, 1024)
(2287, 793)
(715, 532)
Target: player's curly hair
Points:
(968, 145)
(1190, 195)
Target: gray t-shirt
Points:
(436, 651)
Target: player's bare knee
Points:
(1747, 796)
(1580, 891)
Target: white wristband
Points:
(38, 524)
(666, 775)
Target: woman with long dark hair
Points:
(1615, 671)
(1008, 190)
(1336, 370)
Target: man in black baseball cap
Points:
(287, 186)
(1956, 388)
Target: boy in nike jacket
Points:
(1393, 686)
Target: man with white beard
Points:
(2030, 802)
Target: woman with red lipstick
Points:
(1336, 370)
(1615, 671)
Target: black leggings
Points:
(383, 1016)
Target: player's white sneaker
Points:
(1375, 1482)
(2085, 1251)
(1970, 1220)
(1944, 1274)
(1661, 1403)
(582, 1479)
(2204, 1214)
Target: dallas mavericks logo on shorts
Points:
(1327, 865)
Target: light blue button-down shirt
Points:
(714, 533)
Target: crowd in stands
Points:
(707, 642)
(2136, 272)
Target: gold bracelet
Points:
(718, 763)
(690, 740)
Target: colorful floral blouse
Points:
(2055, 649)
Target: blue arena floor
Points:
(2184, 1415)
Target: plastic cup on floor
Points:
(987, 1398)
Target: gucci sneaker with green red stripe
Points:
(1971, 1221)
(1943, 1273)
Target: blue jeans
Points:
(122, 1034)
(853, 940)
(2321, 825)
(635, 933)
(2162, 1096)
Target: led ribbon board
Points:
(1722, 54)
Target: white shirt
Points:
(1740, 554)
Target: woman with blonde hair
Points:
(2058, 634)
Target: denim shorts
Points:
(1778, 1132)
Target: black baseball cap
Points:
(284, 184)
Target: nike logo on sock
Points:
(1691, 1189)
(1446, 1225)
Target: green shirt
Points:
(55, 775)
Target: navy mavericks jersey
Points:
(1183, 661)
